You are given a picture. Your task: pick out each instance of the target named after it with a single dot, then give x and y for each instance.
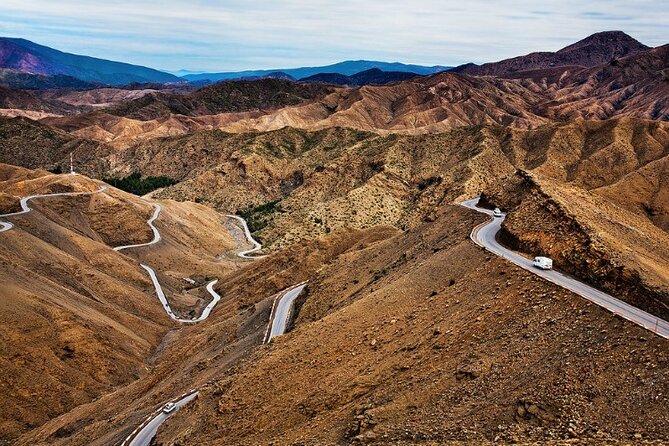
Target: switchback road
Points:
(156, 234)
(256, 246)
(25, 208)
(485, 235)
(143, 434)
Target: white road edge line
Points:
(616, 306)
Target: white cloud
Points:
(227, 35)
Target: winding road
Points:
(278, 322)
(161, 296)
(256, 246)
(281, 308)
(156, 283)
(156, 234)
(25, 208)
(144, 433)
(485, 235)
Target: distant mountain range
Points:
(24, 56)
(28, 65)
(373, 76)
(347, 68)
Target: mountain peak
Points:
(596, 49)
(607, 44)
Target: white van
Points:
(497, 212)
(543, 263)
(169, 407)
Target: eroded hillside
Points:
(634, 84)
(425, 339)
(78, 319)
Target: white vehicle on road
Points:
(486, 236)
(543, 262)
(497, 212)
(169, 407)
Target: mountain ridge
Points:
(348, 68)
(595, 49)
(372, 76)
(29, 57)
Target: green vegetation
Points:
(135, 184)
(258, 217)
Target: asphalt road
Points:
(281, 311)
(156, 283)
(485, 235)
(256, 246)
(25, 208)
(166, 305)
(144, 433)
(156, 234)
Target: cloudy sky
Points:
(222, 35)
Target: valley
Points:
(311, 258)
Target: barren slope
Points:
(634, 85)
(425, 339)
(589, 237)
(78, 319)
(27, 143)
(196, 354)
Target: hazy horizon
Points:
(214, 36)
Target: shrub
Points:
(258, 217)
(135, 184)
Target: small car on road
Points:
(169, 407)
(497, 212)
(543, 262)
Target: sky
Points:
(211, 35)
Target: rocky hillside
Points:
(415, 354)
(432, 341)
(224, 97)
(587, 236)
(94, 98)
(320, 181)
(13, 99)
(79, 320)
(632, 86)
(27, 143)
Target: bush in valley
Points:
(257, 217)
(135, 184)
